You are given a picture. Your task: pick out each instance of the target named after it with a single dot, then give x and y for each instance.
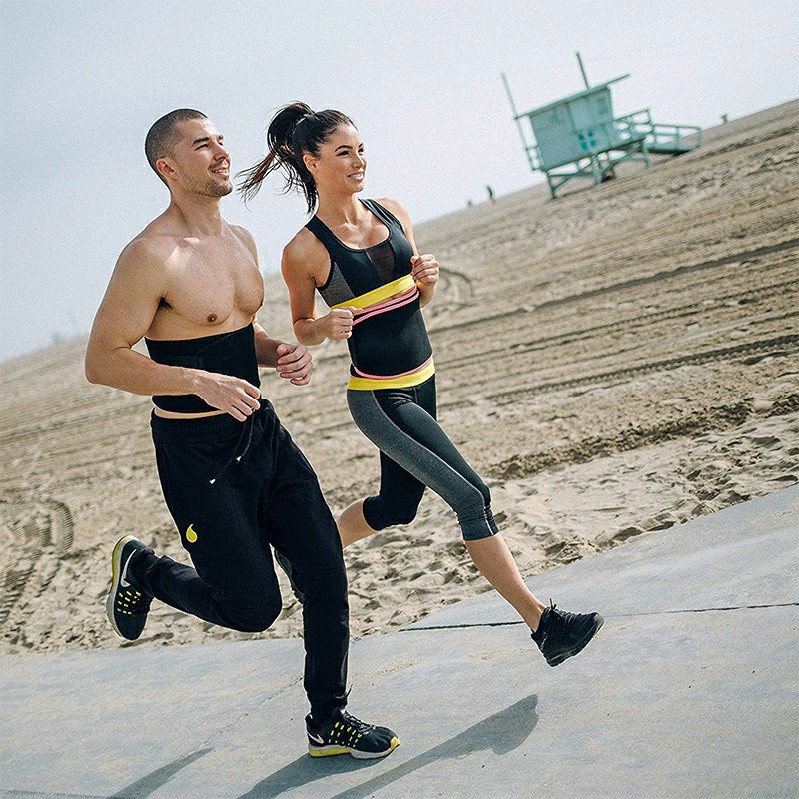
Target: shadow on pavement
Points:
(148, 785)
(502, 733)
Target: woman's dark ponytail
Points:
(294, 130)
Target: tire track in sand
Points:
(41, 532)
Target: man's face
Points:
(200, 163)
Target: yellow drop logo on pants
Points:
(191, 535)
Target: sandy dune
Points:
(615, 362)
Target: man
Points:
(233, 479)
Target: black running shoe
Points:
(127, 608)
(344, 734)
(561, 635)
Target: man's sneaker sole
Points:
(332, 749)
(117, 567)
(565, 654)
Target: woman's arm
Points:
(424, 268)
(304, 261)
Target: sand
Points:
(613, 363)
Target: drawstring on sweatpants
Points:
(238, 454)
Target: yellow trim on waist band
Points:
(406, 381)
(379, 294)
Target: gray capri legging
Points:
(415, 452)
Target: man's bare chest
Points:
(207, 285)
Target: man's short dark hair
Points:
(163, 135)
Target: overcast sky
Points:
(82, 82)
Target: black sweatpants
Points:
(233, 488)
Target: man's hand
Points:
(295, 363)
(424, 269)
(337, 325)
(229, 394)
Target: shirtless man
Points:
(233, 479)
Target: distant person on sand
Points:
(233, 479)
(361, 257)
(490, 193)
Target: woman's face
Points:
(341, 163)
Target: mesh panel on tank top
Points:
(336, 289)
(382, 256)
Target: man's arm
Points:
(125, 315)
(292, 361)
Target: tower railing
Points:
(661, 137)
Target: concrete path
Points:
(689, 691)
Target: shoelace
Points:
(356, 723)
(345, 730)
(566, 620)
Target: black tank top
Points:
(225, 353)
(389, 339)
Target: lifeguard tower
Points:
(578, 136)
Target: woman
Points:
(361, 257)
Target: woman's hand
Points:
(337, 325)
(424, 270)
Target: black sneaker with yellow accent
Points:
(126, 606)
(560, 635)
(344, 734)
